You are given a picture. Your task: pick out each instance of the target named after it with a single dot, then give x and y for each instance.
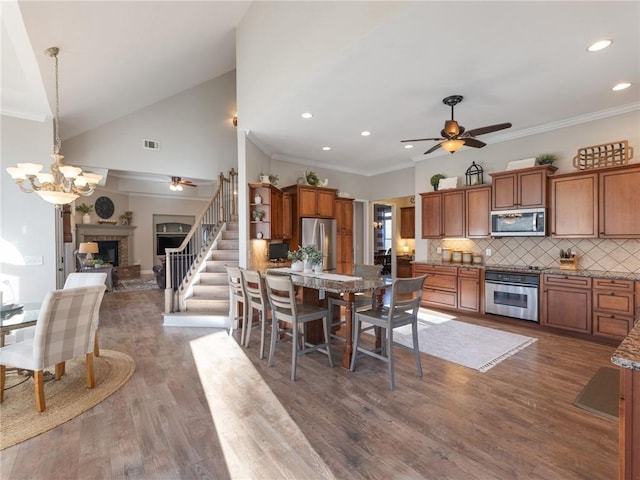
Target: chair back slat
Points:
(406, 295)
(235, 280)
(64, 328)
(281, 294)
(367, 271)
(254, 286)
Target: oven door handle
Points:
(512, 284)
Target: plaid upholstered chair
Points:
(88, 279)
(64, 330)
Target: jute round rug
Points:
(65, 398)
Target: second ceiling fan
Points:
(178, 182)
(454, 136)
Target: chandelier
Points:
(65, 183)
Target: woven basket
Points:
(605, 155)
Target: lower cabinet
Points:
(566, 303)
(403, 267)
(469, 291)
(629, 425)
(451, 287)
(613, 307)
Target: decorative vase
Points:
(307, 267)
(297, 266)
(317, 268)
(264, 179)
(86, 218)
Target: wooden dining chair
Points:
(362, 299)
(237, 300)
(255, 291)
(284, 308)
(406, 295)
(64, 330)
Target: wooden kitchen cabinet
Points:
(287, 216)
(574, 205)
(314, 201)
(566, 303)
(478, 212)
(469, 289)
(524, 188)
(440, 288)
(613, 307)
(344, 235)
(404, 268)
(271, 226)
(408, 222)
(453, 208)
(618, 208)
(431, 215)
(629, 425)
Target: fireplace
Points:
(108, 251)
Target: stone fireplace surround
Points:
(123, 234)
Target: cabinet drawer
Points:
(572, 281)
(439, 298)
(446, 282)
(443, 270)
(613, 284)
(613, 326)
(468, 272)
(614, 302)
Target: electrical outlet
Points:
(487, 252)
(33, 260)
(438, 250)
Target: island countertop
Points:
(627, 354)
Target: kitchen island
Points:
(627, 356)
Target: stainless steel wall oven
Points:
(512, 294)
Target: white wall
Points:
(194, 129)
(27, 221)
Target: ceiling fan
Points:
(178, 182)
(454, 136)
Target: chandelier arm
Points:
(20, 182)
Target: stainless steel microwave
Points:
(519, 223)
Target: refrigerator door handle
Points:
(322, 242)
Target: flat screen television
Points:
(278, 251)
(168, 241)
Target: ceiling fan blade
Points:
(474, 142)
(433, 149)
(187, 183)
(488, 129)
(422, 140)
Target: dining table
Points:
(14, 317)
(317, 286)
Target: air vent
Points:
(151, 145)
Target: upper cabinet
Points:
(599, 203)
(462, 212)
(524, 188)
(275, 222)
(344, 236)
(313, 201)
(408, 222)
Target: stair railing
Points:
(182, 262)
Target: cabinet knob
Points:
(613, 316)
(612, 294)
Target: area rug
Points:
(65, 398)
(137, 284)
(469, 345)
(601, 395)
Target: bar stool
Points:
(284, 308)
(256, 296)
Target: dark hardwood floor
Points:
(200, 406)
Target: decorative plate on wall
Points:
(104, 207)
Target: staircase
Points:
(201, 297)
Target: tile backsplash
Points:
(593, 254)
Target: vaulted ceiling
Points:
(519, 62)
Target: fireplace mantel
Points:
(85, 229)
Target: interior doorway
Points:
(383, 237)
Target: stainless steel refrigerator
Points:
(320, 232)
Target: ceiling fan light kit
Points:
(177, 183)
(454, 136)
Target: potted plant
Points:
(85, 210)
(314, 257)
(546, 159)
(311, 178)
(98, 262)
(257, 215)
(271, 178)
(296, 257)
(435, 180)
(126, 218)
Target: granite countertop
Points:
(527, 269)
(628, 353)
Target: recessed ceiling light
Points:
(307, 115)
(365, 133)
(621, 86)
(326, 149)
(408, 146)
(599, 45)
